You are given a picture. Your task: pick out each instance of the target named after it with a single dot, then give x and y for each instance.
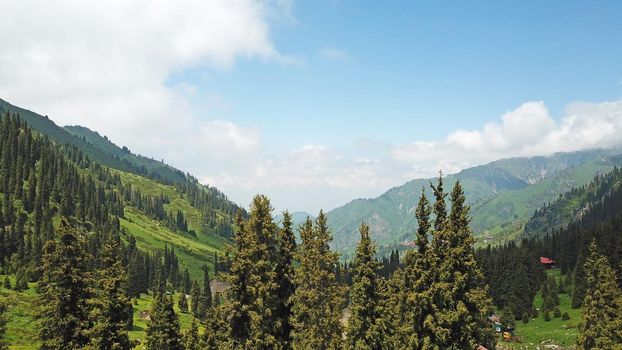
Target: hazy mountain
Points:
(502, 195)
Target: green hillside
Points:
(573, 204)
(145, 165)
(152, 235)
(208, 212)
(502, 194)
(101, 152)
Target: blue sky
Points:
(315, 103)
(419, 70)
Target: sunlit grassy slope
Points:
(150, 234)
(22, 308)
(557, 331)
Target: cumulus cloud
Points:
(318, 176)
(104, 64)
(528, 130)
(224, 139)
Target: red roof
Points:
(545, 260)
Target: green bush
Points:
(557, 313)
(565, 316)
(525, 318)
(547, 316)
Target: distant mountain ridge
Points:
(92, 145)
(502, 195)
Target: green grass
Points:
(140, 324)
(563, 333)
(21, 326)
(194, 217)
(22, 308)
(151, 234)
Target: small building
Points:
(548, 263)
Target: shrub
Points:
(525, 318)
(565, 316)
(547, 316)
(557, 313)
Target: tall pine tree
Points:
(318, 299)
(163, 328)
(461, 299)
(366, 327)
(253, 296)
(110, 305)
(63, 293)
(3, 322)
(602, 307)
(285, 279)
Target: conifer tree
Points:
(191, 337)
(183, 303)
(578, 292)
(216, 330)
(285, 279)
(366, 328)
(195, 299)
(21, 279)
(461, 299)
(163, 328)
(207, 289)
(64, 292)
(318, 299)
(3, 322)
(602, 307)
(110, 305)
(409, 298)
(253, 296)
(7, 282)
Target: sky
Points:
(316, 103)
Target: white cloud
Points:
(104, 64)
(318, 176)
(223, 139)
(334, 54)
(526, 131)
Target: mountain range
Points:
(502, 194)
(506, 196)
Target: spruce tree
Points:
(461, 301)
(578, 292)
(366, 328)
(3, 322)
(216, 330)
(110, 305)
(253, 296)
(163, 328)
(183, 303)
(409, 295)
(207, 289)
(285, 279)
(64, 290)
(318, 299)
(191, 337)
(195, 299)
(602, 307)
